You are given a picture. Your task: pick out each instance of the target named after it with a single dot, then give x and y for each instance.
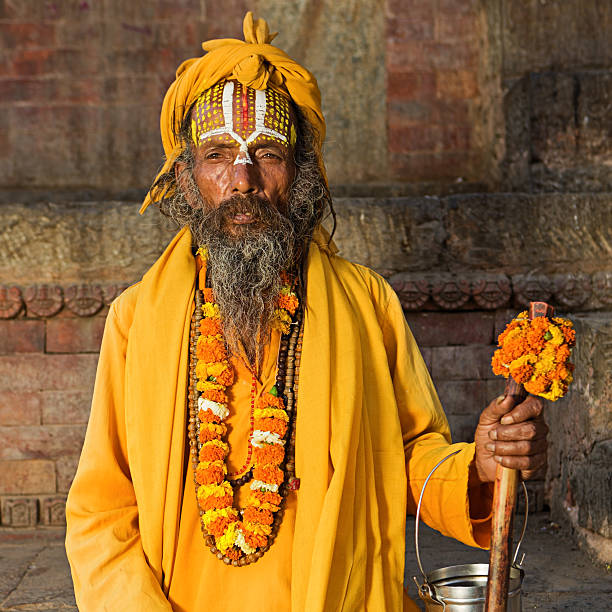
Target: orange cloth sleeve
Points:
(448, 504)
(103, 543)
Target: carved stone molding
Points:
(19, 511)
(11, 301)
(53, 511)
(489, 291)
(531, 288)
(84, 300)
(450, 294)
(43, 300)
(416, 291)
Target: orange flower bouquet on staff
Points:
(535, 353)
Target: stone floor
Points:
(34, 573)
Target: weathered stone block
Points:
(444, 329)
(462, 426)
(53, 372)
(20, 408)
(539, 35)
(510, 232)
(74, 335)
(53, 511)
(19, 511)
(65, 407)
(461, 362)
(66, 468)
(19, 336)
(390, 234)
(40, 442)
(29, 476)
(466, 397)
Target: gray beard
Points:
(244, 267)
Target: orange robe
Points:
(369, 429)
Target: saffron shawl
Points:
(367, 416)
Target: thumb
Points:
(500, 406)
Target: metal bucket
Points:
(463, 588)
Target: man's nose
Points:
(245, 179)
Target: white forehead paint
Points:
(243, 156)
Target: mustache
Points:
(259, 208)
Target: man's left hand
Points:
(511, 435)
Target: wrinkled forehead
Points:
(233, 113)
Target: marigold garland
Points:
(237, 536)
(536, 352)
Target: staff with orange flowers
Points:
(262, 418)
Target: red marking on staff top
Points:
(293, 484)
(245, 110)
(540, 309)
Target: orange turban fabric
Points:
(253, 62)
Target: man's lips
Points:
(242, 218)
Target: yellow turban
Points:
(253, 62)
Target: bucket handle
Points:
(418, 512)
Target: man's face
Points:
(244, 150)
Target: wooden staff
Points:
(504, 501)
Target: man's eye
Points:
(213, 155)
(269, 155)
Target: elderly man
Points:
(262, 419)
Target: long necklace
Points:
(242, 537)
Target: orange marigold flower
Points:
(226, 377)
(268, 454)
(535, 337)
(253, 515)
(266, 400)
(563, 353)
(268, 473)
(272, 425)
(208, 294)
(210, 431)
(210, 327)
(213, 474)
(255, 540)
(214, 395)
(216, 503)
(538, 385)
(569, 334)
(211, 351)
(497, 364)
(522, 373)
(208, 416)
(268, 497)
(219, 525)
(288, 302)
(211, 453)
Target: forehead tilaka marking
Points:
(242, 115)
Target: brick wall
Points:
(47, 368)
(434, 90)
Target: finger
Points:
(531, 408)
(531, 430)
(525, 447)
(497, 409)
(539, 473)
(529, 463)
